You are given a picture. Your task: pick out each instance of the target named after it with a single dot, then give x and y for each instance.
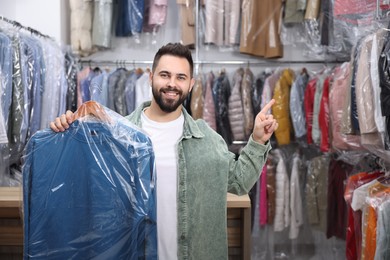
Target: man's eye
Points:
(181, 78)
(164, 75)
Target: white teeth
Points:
(171, 93)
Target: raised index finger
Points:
(268, 106)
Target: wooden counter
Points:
(11, 226)
(239, 226)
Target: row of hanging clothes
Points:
(308, 204)
(324, 191)
(321, 102)
(34, 73)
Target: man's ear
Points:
(192, 83)
(150, 77)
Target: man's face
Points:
(171, 82)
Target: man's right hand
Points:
(61, 123)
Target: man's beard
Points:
(168, 105)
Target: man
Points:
(194, 167)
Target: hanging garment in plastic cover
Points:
(89, 192)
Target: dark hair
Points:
(174, 49)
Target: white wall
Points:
(49, 17)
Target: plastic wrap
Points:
(81, 26)
(332, 28)
(102, 23)
(316, 131)
(337, 93)
(258, 90)
(209, 105)
(71, 77)
(6, 74)
(382, 250)
(316, 192)
(130, 18)
(364, 89)
(312, 25)
(222, 22)
(197, 98)
(298, 237)
(246, 95)
(297, 93)
(236, 110)
(354, 223)
(55, 86)
(156, 12)
(260, 27)
(383, 66)
(89, 192)
(294, 11)
(295, 198)
(4, 149)
(371, 123)
(187, 21)
(5, 103)
(378, 193)
(221, 94)
(17, 130)
(282, 195)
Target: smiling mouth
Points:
(170, 93)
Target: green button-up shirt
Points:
(207, 171)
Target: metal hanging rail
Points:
(19, 25)
(117, 63)
(219, 62)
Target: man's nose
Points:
(172, 81)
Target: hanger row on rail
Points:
(120, 63)
(19, 25)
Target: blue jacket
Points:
(89, 193)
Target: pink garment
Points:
(214, 14)
(158, 12)
(263, 197)
(337, 93)
(348, 7)
(209, 106)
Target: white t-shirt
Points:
(165, 137)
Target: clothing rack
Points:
(20, 26)
(199, 62)
(118, 63)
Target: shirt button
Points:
(181, 182)
(183, 237)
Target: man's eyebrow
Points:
(170, 73)
(182, 75)
(164, 71)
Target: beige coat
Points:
(81, 26)
(260, 27)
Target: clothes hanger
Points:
(92, 108)
(384, 179)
